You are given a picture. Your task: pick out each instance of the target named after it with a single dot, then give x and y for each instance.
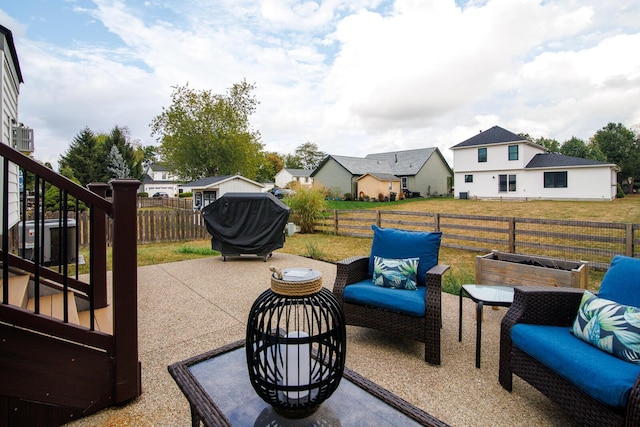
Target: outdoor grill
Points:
(246, 224)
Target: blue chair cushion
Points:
(621, 282)
(599, 374)
(398, 300)
(394, 243)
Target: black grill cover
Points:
(246, 223)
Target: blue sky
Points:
(352, 76)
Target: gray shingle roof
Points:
(384, 176)
(299, 172)
(495, 135)
(360, 166)
(550, 160)
(203, 182)
(408, 162)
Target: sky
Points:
(352, 76)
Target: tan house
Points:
(374, 185)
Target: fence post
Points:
(378, 219)
(98, 248)
(125, 290)
(629, 239)
(335, 222)
(512, 235)
(436, 222)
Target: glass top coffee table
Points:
(217, 386)
(496, 296)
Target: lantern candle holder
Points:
(296, 342)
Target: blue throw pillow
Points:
(396, 273)
(399, 244)
(621, 283)
(612, 327)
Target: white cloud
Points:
(352, 76)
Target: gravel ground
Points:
(189, 307)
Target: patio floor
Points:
(189, 307)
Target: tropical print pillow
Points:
(396, 273)
(612, 327)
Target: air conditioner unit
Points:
(51, 240)
(23, 138)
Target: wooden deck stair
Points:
(18, 286)
(52, 305)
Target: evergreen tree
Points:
(116, 164)
(83, 158)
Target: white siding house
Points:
(10, 79)
(301, 176)
(498, 164)
(206, 190)
(158, 178)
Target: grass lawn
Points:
(333, 248)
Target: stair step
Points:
(103, 318)
(17, 290)
(53, 305)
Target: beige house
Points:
(373, 185)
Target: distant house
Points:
(159, 179)
(206, 190)
(376, 184)
(498, 164)
(301, 176)
(423, 171)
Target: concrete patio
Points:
(189, 307)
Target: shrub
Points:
(620, 194)
(347, 196)
(306, 207)
(186, 194)
(143, 194)
(313, 251)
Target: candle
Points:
(296, 360)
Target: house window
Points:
(482, 155)
(555, 179)
(513, 152)
(403, 182)
(506, 183)
(468, 178)
(209, 197)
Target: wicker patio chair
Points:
(425, 329)
(556, 307)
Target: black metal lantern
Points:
(296, 343)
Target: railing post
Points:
(125, 290)
(98, 248)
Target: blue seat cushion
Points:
(399, 244)
(599, 374)
(621, 282)
(398, 300)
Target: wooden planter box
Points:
(501, 268)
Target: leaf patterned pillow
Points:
(395, 273)
(612, 327)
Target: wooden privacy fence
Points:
(595, 242)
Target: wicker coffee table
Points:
(217, 386)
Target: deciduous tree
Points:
(206, 134)
(620, 146)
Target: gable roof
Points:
(495, 135)
(299, 172)
(408, 162)
(380, 176)
(208, 181)
(12, 49)
(398, 163)
(551, 160)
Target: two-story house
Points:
(159, 179)
(300, 176)
(498, 164)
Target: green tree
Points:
(309, 155)
(205, 134)
(550, 144)
(128, 163)
(575, 147)
(620, 146)
(83, 158)
(271, 165)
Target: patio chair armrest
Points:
(633, 405)
(348, 271)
